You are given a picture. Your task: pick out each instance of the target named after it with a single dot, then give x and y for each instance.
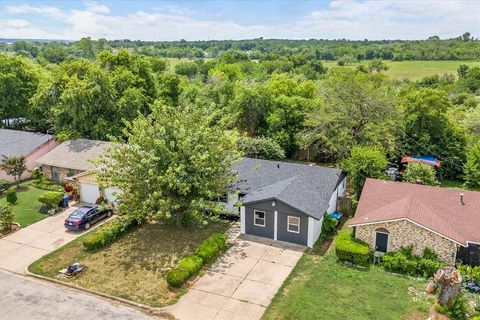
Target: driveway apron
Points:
(22, 248)
(241, 284)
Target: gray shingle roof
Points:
(75, 154)
(17, 143)
(307, 188)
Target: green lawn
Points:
(446, 183)
(24, 210)
(415, 70)
(321, 288)
(133, 267)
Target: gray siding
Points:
(284, 235)
(283, 211)
(250, 228)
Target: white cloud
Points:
(352, 19)
(16, 23)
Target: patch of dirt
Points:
(4, 233)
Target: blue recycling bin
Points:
(64, 202)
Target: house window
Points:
(55, 172)
(71, 172)
(381, 239)
(259, 218)
(293, 224)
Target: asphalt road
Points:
(29, 299)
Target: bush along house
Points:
(284, 201)
(391, 215)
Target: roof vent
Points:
(278, 165)
(461, 199)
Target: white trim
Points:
(275, 227)
(375, 239)
(471, 242)
(288, 224)
(407, 219)
(264, 218)
(242, 219)
(310, 232)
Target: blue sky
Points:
(201, 20)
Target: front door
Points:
(55, 174)
(381, 241)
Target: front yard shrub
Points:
(6, 217)
(405, 262)
(109, 232)
(177, 277)
(456, 310)
(11, 196)
(470, 273)
(45, 184)
(192, 264)
(3, 185)
(352, 250)
(220, 239)
(36, 174)
(207, 250)
(329, 224)
(51, 198)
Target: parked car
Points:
(83, 218)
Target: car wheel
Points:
(109, 213)
(87, 226)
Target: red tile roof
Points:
(437, 209)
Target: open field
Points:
(133, 267)
(415, 70)
(24, 210)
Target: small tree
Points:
(471, 169)
(14, 166)
(51, 199)
(363, 163)
(261, 148)
(420, 173)
(6, 217)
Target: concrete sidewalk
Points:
(22, 248)
(242, 283)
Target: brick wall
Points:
(63, 172)
(404, 233)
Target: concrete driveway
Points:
(20, 249)
(26, 298)
(242, 283)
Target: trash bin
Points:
(64, 202)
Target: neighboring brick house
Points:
(71, 158)
(392, 215)
(31, 145)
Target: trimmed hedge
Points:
(45, 184)
(352, 250)
(109, 232)
(191, 265)
(51, 198)
(177, 277)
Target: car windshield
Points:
(77, 214)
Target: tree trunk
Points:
(450, 282)
(179, 218)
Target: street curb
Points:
(144, 308)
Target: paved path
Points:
(20, 249)
(242, 283)
(29, 299)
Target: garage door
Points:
(89, 193)
(111, 194)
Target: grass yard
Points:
(321, 288)
(134, 266)
(415, 70)
(446, 183)
(24, 210)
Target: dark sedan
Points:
(83, 218)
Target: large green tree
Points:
(18, 82)
(471, 170)
(364, 162)
(357, 109)
(429, 130)
(175, 164)
(420, 173)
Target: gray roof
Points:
(306, 188)
(21, 143)
(75, 154)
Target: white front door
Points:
(89, 192)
